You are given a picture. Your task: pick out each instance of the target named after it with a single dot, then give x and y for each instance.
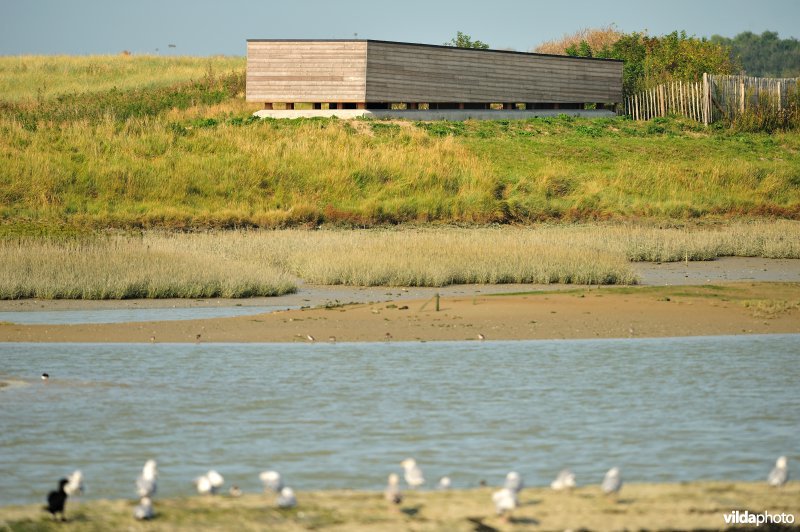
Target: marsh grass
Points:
(779, 239)
(439, 257)
(770, 308)
(125, 268)
(256, 263)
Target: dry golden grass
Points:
(29, 77)
(646, 243)
(250, 263)
(686, 506)
(130, 267)
(439, 257)
(770, 308)
(598, 38)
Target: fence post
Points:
(741, 96)
(705, 99)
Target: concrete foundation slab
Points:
(454, 115)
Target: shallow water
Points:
(72, 317)
(345, 415)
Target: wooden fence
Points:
(713, 98)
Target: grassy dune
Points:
(226, 172)
(162, 151)
(251, 263)
(686, 506)
(35, 76)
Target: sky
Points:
(205, 27)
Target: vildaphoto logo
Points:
(746, 517)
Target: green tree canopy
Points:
(653, 60)
(462, 40)
(764, 55)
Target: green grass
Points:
(161, 150)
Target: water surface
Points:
(345, 415)
(123, 315)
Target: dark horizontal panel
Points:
(421, 64)
(542, 84)
(527, 79)
(410, 58)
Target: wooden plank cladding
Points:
(380, 72)
(306, 71)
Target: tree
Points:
(764, 55)
(462, 40)
(649, 61)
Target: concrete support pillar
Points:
(289, 106)
(413, 105)
(361, 105)
(268, 105)
(461, 105)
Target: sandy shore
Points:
(721, 297)
(686, 506)
(607, 312)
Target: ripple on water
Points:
(344, 415)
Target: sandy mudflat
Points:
(608, 312)
(686, 506)
(726, 296)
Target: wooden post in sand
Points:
(437, 301)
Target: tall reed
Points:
(130, 267)
(250, 263)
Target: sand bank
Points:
(592, 312)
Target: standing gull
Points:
(287, 498)
(210, 483)
(780, 473)
(393, 493)
(514, 482)
(144, 511)
(203, 485)
(612, 481)
(272, 481)
(505, 501)
(412, 473)
(74, 484)
(444, 483)
(146, 483)
(216, 480)
(565, 480)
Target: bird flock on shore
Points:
(505, 499)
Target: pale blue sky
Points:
(205, 27)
